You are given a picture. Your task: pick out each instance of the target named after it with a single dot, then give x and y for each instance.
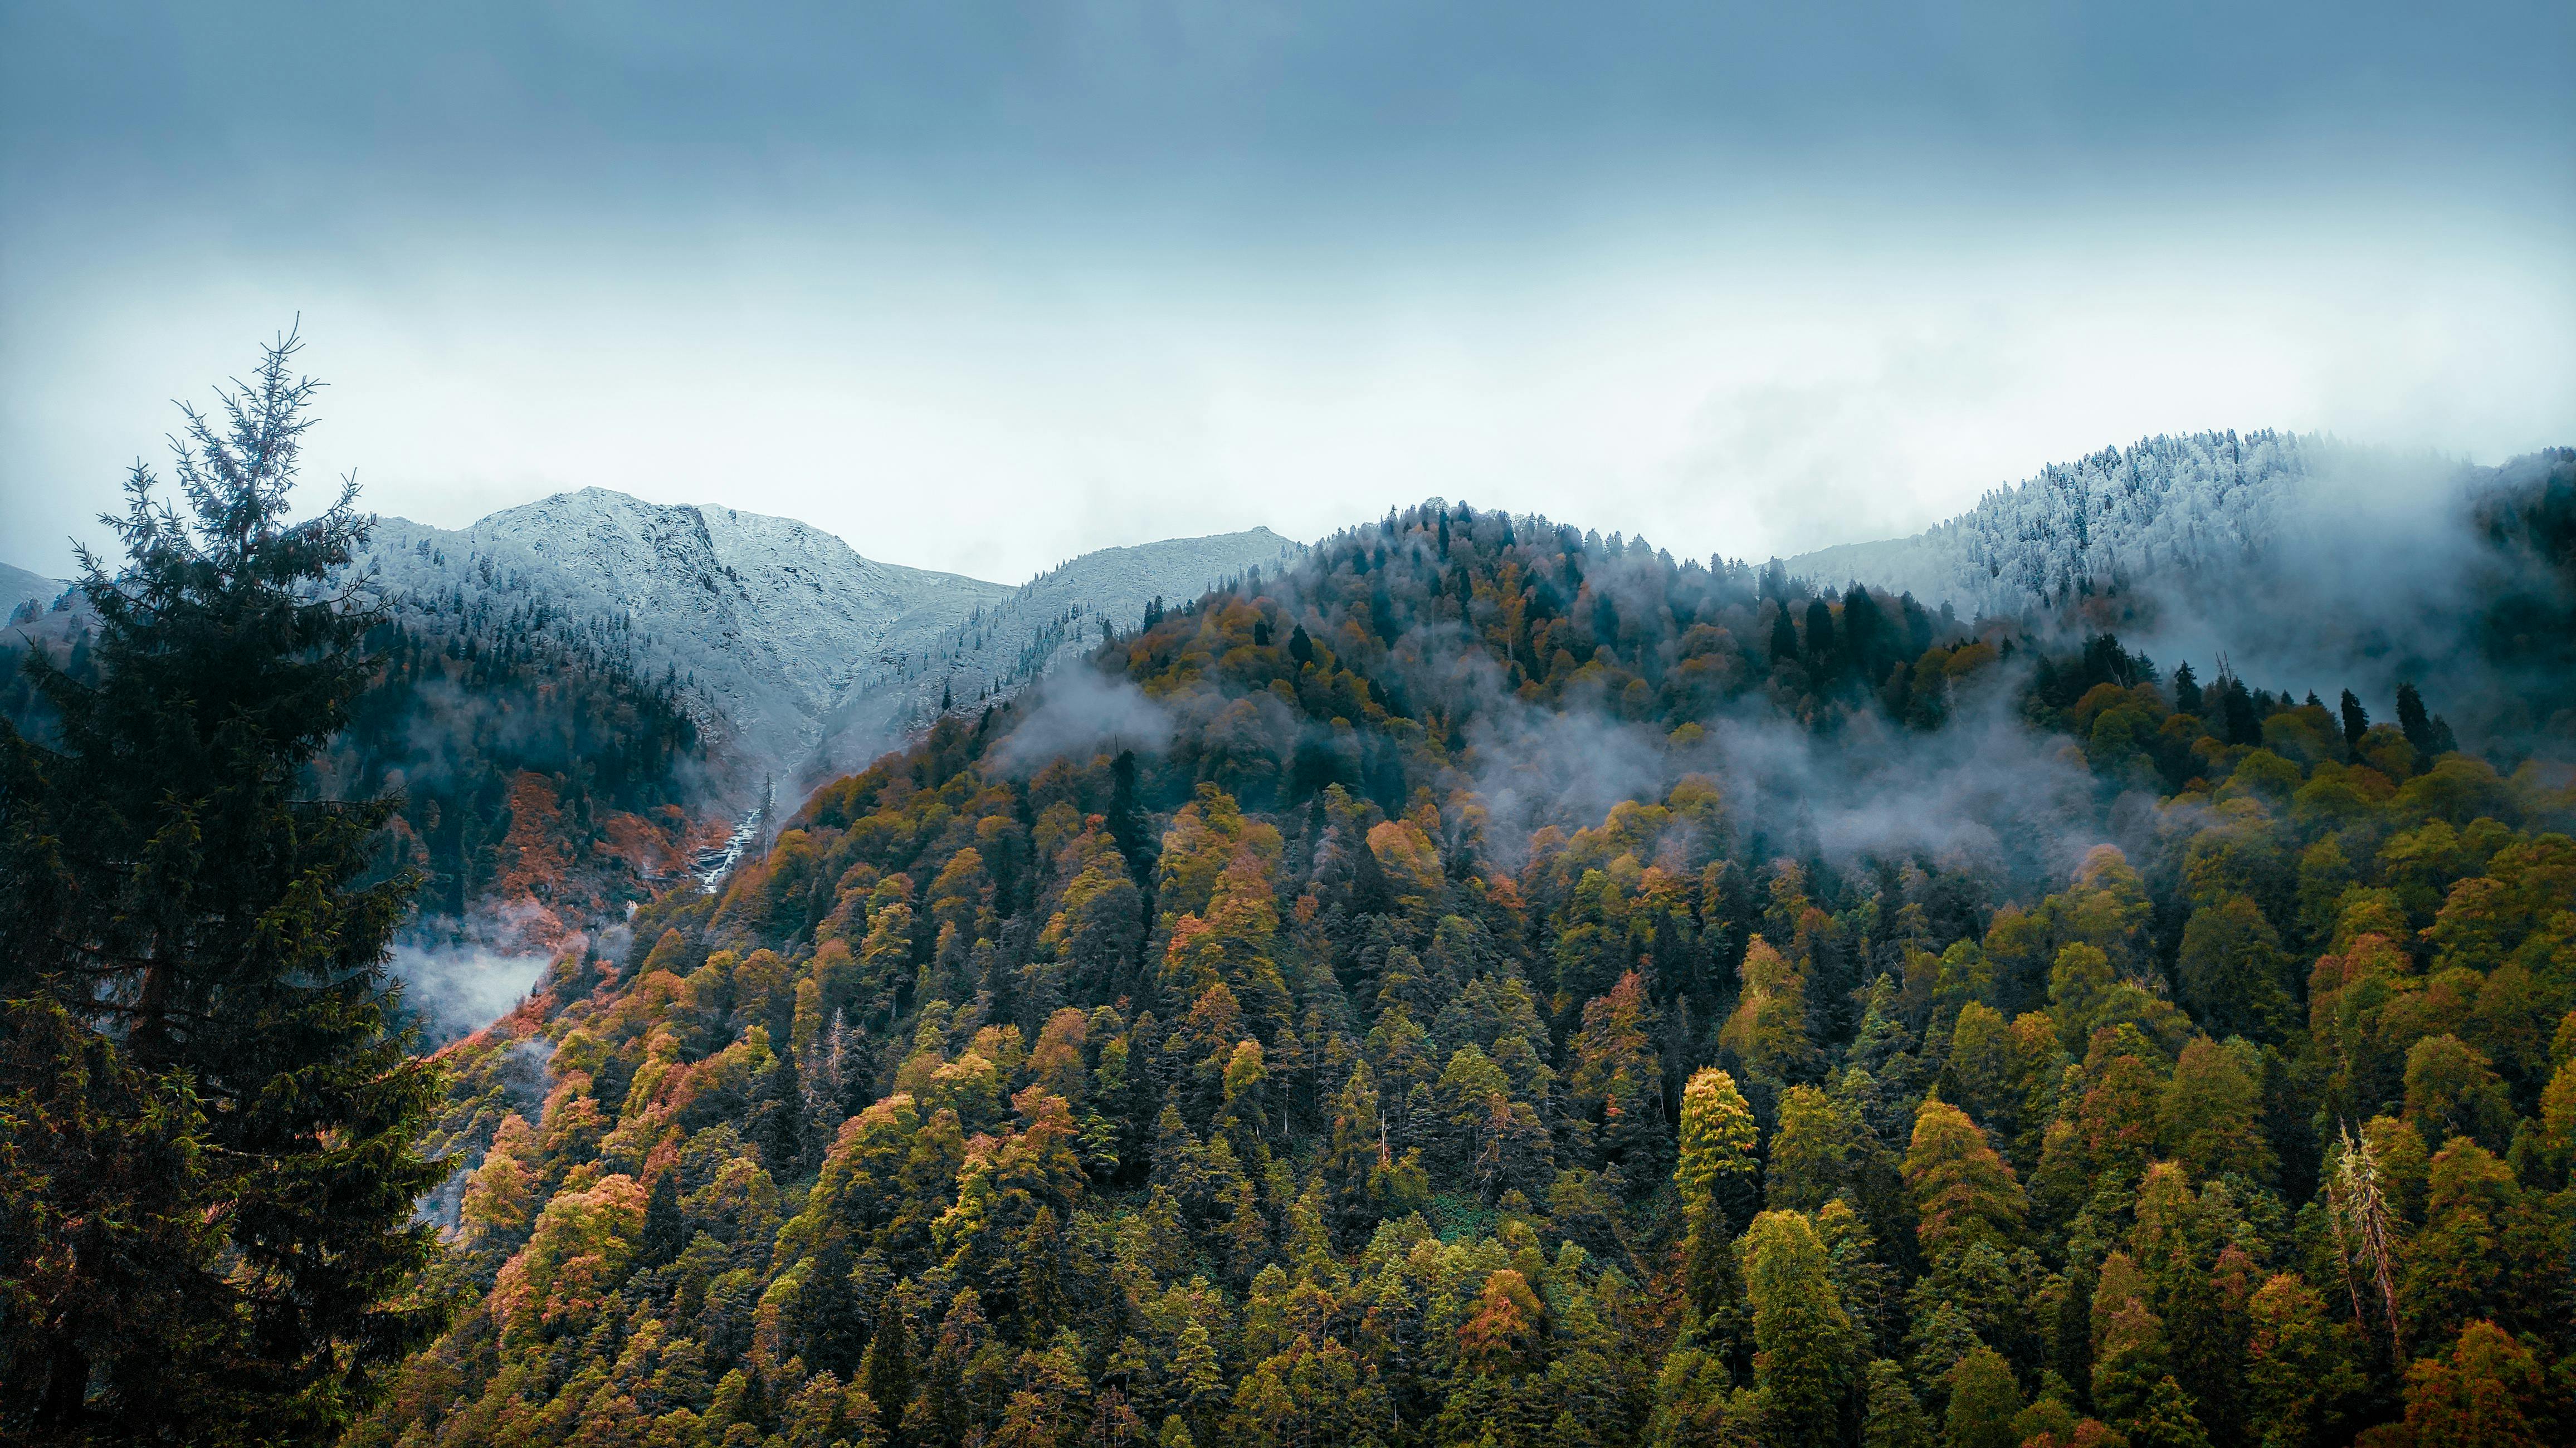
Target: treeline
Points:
(1270, 1087)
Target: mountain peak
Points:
(804, 654)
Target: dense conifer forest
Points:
(1498, 985)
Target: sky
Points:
(981, 287)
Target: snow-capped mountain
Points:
(805, 656)
(2211, 498)
(1001, 646)
(18, 588)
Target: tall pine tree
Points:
(206, 1205)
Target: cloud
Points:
(459, 989)
(2376, 570)
(1985, 790)
(1081, 712)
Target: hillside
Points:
(1490, 984)
(2118, 516)
(2300, 557)
(798, 657)
(20, 589)
(583, 697)
(933, 664)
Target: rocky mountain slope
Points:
(18, 588)
(801, 654)
(1001, 646)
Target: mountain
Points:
(1527, 990)
(787, 639)
(1001, 646)
(18, 588)
(2120, 514)
(2298, 557)
(763, 618)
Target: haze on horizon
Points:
(981, 293)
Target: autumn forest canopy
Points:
(1485, 983)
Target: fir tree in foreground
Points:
(208, 1134)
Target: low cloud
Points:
(1984, 791)
(457, 990)
(1081, 712)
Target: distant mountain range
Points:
(803, 659)
(808, 659)
(2300, 557)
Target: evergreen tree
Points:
(2412, 722)
(1983, 1401)
(1804, 1342)
(1961, 1187)
(2236, 707)
(1784, 634)
(2167, 1421)
(2186, 690)
(888, 1368)
(665, 1231)
(206, 1213)
(1893, 1417)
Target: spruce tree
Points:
(1784, 634)
(2356, 721)
(2186, 691)
(1805, 1345)
(206, 1206)
(665, 1229)
(2412, 721)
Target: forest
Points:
(1493, 984)
(543, 778)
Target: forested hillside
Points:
(542, 780)
(1493, 984)
(2301, 555)
(545, 779)
(2115, 516)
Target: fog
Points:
(458, 989)
(2379, 571)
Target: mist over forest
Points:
(1490, 982)
(1342, 725)
(1471, 981)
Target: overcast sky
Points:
(980, 287)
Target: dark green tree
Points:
(206, 1205)
(665, 1230)
(1784, 634)
(2412, 721)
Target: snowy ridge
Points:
(1003, 646)
(18, 588)
(2118, 515)
(803, 657)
